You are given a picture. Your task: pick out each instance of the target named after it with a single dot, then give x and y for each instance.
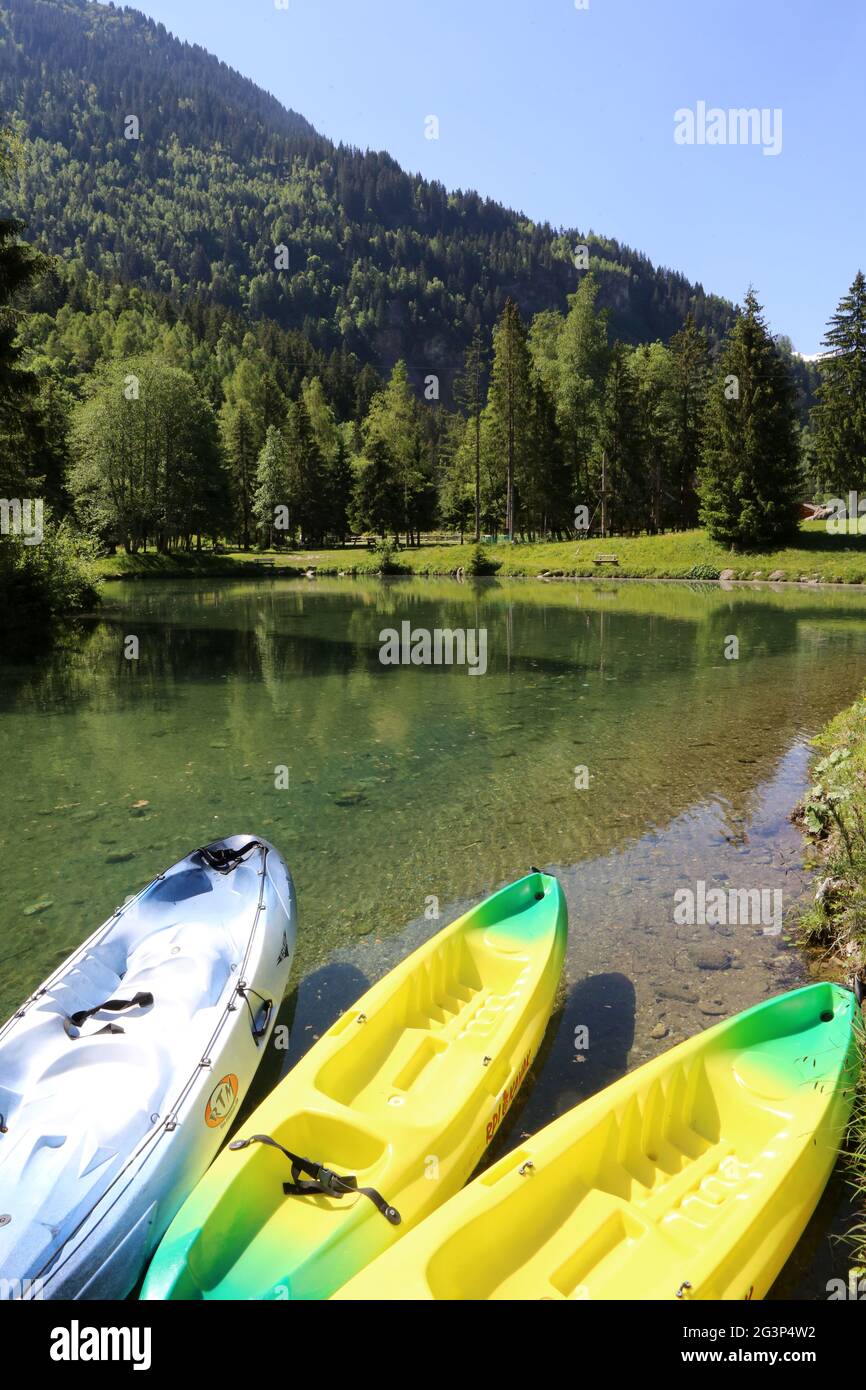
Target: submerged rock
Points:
(120, 856)
(35, 908)
(350, 798)
(681, 994)
(710, 957)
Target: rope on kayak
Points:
(323, 1179)
(141, 1000)
(224, 860)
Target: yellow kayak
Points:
(384, 1118)
(690, 1178)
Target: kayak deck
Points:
(402, 1092)
(691, 1177)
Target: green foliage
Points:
(147, 459)
(481, 563)
(261, 381)
(750, 482)
(385, 561)
(840, 416)
(272, 482)
(39, 583)
(382, 262)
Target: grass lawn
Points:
(682, 555)
(177, 565)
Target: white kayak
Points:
(120, 1076)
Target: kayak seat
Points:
(462, 996)
(74, 1080)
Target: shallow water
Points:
(416, 787)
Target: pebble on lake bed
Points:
(661, 1030)
(710, 957)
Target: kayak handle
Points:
(261, 1027)
(225, 859)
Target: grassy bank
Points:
(817, 557)
(193, 565)
(834, 817)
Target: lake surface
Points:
(413, 789)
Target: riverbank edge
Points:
(833, 926)
(109, 570)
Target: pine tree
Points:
(272, 482)
(20, 268)
(840, 417)
(394, 418)
(469, 395)
(242, 444)
(306, 471)
(377, 500)
(690, 361)
(509, 403)
(459, 484)
(582, 362)
(750, 481)
(622, 445)
(340, 483)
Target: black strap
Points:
(224, 860)
(114, 1006)
(259, 1029)
(324, 1180)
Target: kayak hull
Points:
(404, 1092)
(692, 1177)
(107, 1132)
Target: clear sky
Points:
(568, 114)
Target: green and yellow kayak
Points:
(383, 1119)
(691, 1178)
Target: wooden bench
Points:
(605, 560)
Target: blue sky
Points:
(568, 115)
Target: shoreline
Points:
(250, 569)
(832, 929)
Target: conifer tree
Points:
(306, 471)
(509, 403)
(377, 500)
(750, 480)
(840, 416)
(242, 443)
(582, 361)
(272, 481)
(469, 395)
(690, 362)
(621, 442)
(20, 268)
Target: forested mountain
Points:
(243, 327)
(381, 263)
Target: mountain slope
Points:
(383, 263)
